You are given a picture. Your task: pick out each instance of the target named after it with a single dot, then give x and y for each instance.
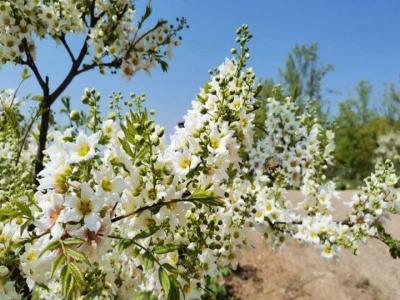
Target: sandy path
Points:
(298, 272)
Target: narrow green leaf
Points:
(164, 280)
(174, 293)
(73, 241)
(76, 273)
(146, 14)
(37, 98)
(78, 256)
(166, 248)
(146, 233)
(170, 268)
(145, 295)
(50, 247)
(24, 208)
(148, 261)
(25, 74)
(57, 262)
(124, 244)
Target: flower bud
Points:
(3, 271)
(74, 115)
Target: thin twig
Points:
(66, 46)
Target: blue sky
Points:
(360, 38)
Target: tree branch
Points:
(31, 63)
(148, 207)
(112, 64)
(64, 42)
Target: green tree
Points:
(357, 128)
(391, 101)
(304, 73)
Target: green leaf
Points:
(65, 278)
(206, 197)
(25, 74)
(206, 87)
(57, 262)
(8, 213)
(78, 256)
(124, 244)
(201, 99)
(164, 280)
(145, 295)
(146, 233)
(24, 209)
(37, 98)
(166, 248)
(127, 148)
(50, 247)
(163, 64)
(12, 118)
(148, 261)
(174, 293)
(73, 241)
(76, 273)
(146, 14)
(170, 268)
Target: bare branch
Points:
(31, 63)
(66, 46)
(112, 64)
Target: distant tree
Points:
(391, 101)
(304, 73)
(301, 79)
(357, 128)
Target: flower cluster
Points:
(388, 148)
(113, 32)
(119, 213)
(17, 149)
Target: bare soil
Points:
(297, 271)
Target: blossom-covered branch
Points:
(119, 213)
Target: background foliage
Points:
(366, 129)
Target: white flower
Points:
(35, 265)
(84, 147)
(87, 207)
(52, 206)
(391, 179)
(108, 182)
(328, 250)
(109, 128)
(184, 161)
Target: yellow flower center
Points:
(83, 149)
(85, 206)
(328, 250)
(60, 181)
(214, 143)
(10, 43)
(3, 238)
(274, 216)
(236, 105)
(31, 255)
(106, 184)
(173, 258)
(184, 163)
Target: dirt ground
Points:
(299, 272)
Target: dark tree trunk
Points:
(44, 128)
